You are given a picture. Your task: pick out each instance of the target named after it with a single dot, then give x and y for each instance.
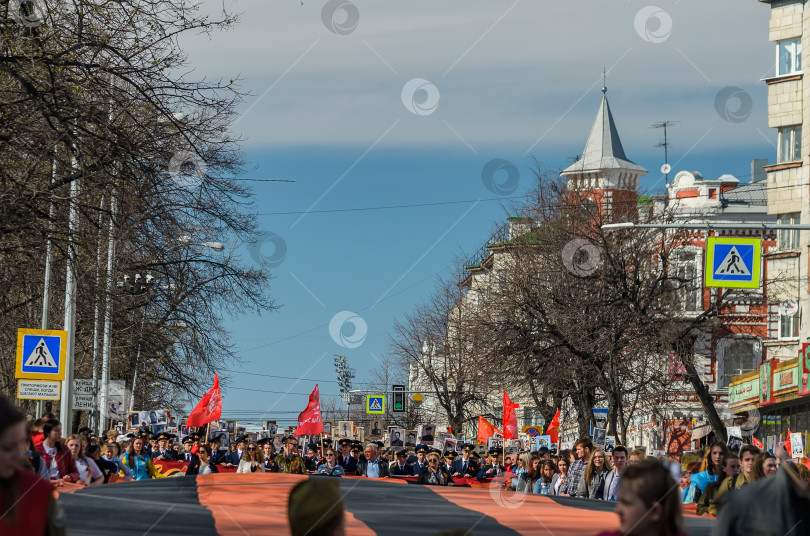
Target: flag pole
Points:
(207, 431)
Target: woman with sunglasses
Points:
(331, 467)
(252, 460)
(206, 464)
(434, 474)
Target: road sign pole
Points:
(65, 406)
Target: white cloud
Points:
(511, 86)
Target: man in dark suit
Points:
(189, 457)
(465, 466)
(346, 460)
(233, 458)
(421, 459)
(493, 468)
(401, 467)
(217, 455)
(372, 465)
(163, 452)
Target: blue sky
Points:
(514, 80)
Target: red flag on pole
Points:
(485, 429)
(510, 428)
(209, 408)
(553, 428)
(309, 421)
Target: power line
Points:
(386, 207)
(275, 376)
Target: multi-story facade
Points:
(605, 175)
(778, 390)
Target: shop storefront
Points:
(780, 390)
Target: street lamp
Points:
(140, 285)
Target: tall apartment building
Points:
(779, 389)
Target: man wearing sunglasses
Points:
(288, 461)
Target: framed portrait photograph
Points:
(271, 427)
(398, 437)
(361, 433)
(230, 426)
(410, 438)
(345, 429)
(426, 433)
(610, 443)
(599, 436)
(327, 427)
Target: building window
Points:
(739, 356)
(789, 238)
(789, 326)
(788, 57)
(790, 143)
(686, 279)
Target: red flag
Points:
(510, 429)
(485, 429)
(553, 429)
(309, 421)
(757, 443)
(788, 445)
(209, 408)
(450, 430)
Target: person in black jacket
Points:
(372, 465)
(189, 457)
(465, 466)
(401, 467)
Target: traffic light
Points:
(399, 398)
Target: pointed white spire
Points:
(603, 150)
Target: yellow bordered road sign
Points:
(375, 404)
(41, 354)
(733, 262)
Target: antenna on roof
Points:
(604, 80)
(665, 145)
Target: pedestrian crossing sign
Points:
(41, 354)
(733, 262)
(375, 404)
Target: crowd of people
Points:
(636, 484)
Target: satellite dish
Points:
(666, 168)
(788, 307)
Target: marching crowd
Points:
(625, 476)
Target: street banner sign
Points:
(733, 262)
(84, 395)
(38, 390)
(375, 404)
(41, 354)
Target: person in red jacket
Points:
(27, 502)
(60, 463)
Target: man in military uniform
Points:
(357, 452)
(217, 455)
(449, 458)
(346, 460)
(163, 452)
(465, 466)
(401, 467)
(493, 468)
(421, 461)
(189, 457)
(233, 458)
(313, 457)
(288, 461)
